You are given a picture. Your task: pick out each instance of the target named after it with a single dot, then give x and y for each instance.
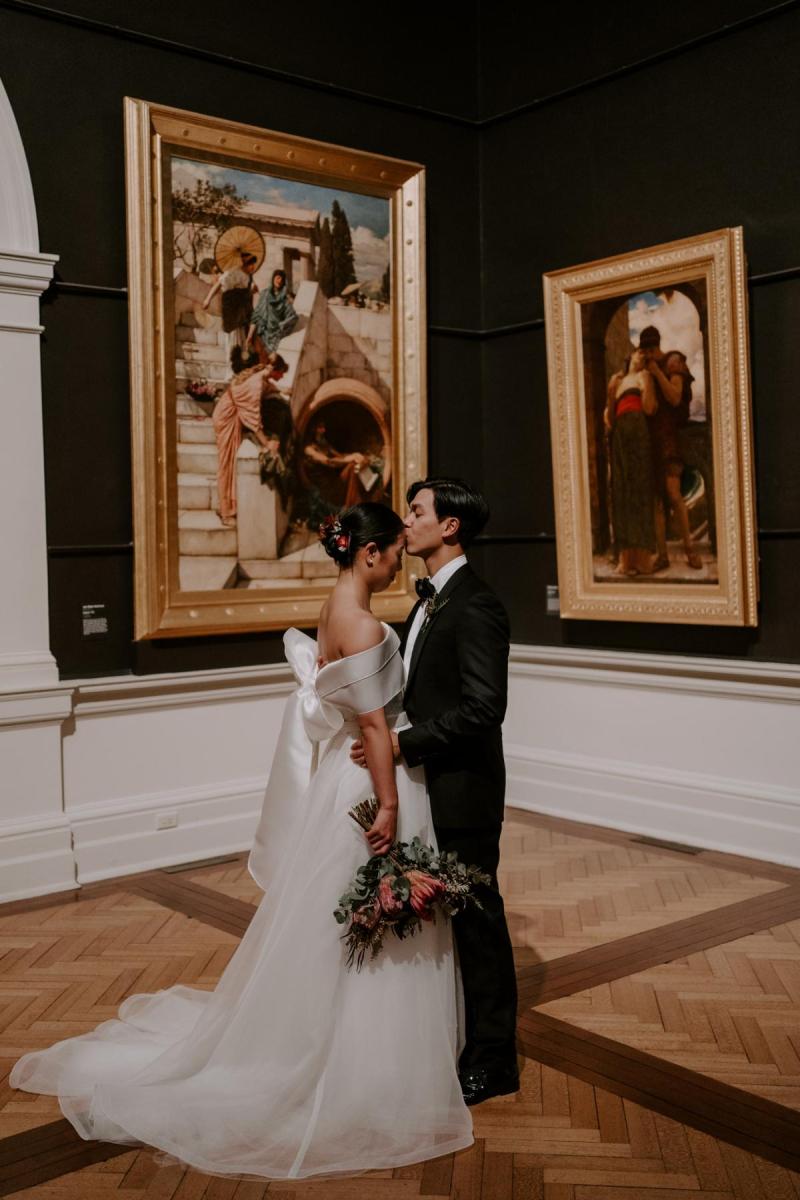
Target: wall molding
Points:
(244, 65)
(25, 274)
(477, 123)
(6, 328)
(693, 750)
(20, 669)
(193, 748)
(641, 64)
(94, 763)
(707, 811)
(36, 861)
(465, 333)
(130, 693)
(738, 678)
(198, 745)
(37, 707)
(120, 837)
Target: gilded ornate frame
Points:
(719, 259)
(151, 132)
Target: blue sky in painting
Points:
(650, 299)
(678, 322)
(371, 212)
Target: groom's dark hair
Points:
(455, 498)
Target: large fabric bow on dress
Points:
(320, 720)
(307, 720)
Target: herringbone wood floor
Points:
(732, 1012)
(612, 1105)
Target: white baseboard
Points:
(698, 751)
(27, 669)
(121, 838)
(710, 812)
(35, 860)
(694, 750)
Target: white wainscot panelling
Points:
(700, 751)
(35, 844)
(193, 749)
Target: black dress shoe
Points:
(481, 1083)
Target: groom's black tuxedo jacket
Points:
(455, 698)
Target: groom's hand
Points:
(359, 756)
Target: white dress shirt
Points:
(438, 580)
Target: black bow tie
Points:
(425, 589)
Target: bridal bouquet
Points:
(396, 892)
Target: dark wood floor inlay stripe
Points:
(614, 960)
(194, 900)
(742, 1119)
(755, 1124)
(29, 1159)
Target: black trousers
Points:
(484, 952)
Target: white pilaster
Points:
(25, 658)
(35, 840)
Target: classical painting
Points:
(650, 406)
(276, 330)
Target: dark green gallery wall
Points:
(703, 135)
(686, 143)
(66, 80)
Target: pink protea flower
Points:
(386, 897)
(368, 917)
(425, 891)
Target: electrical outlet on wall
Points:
(166, 820)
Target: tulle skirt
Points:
(294, 1065)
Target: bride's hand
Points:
(382, 833)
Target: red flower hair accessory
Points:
(333, 537)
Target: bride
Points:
(294, 1065)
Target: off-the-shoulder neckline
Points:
(349, 657)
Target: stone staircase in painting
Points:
(208, 550)
(210, 555)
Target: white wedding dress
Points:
(294, 1065)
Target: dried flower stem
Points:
(364, 815)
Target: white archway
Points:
(18, 228)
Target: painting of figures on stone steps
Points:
(283, 298)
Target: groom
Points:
(455, 650)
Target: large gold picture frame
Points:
(650, 413)
(336, 238)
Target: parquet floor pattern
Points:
(731, 1012)
(66, 968)
(559, 1139)
(642, 1017)
(565, 893)
(231, 879)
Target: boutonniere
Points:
(434, 605)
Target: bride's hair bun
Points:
(336, 540)
(343, 535)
